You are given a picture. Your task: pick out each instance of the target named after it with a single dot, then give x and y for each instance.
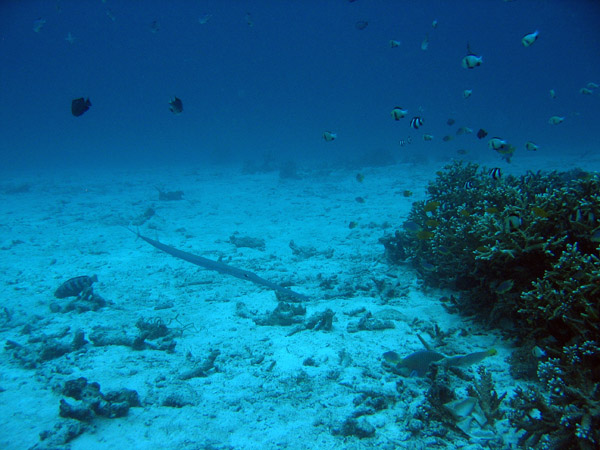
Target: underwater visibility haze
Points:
(299, 224)
(271, 77)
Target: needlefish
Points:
(219, 267)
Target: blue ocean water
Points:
(266, 79)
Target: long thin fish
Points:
(219, 267)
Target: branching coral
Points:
(526, 249)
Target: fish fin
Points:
(424, 342)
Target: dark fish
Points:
(447, 138)
(495, 173)
(482, 133)
(74, 286)
(468, 185)
(175, 105)
(451, 122)
(79, 106)
(361, 24)
(416, 122)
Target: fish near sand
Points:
(418, 363)
(74, 286)
(176, 105)
(79, 106)
(219, 267)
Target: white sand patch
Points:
(270, 390)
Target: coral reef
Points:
(567, 414)
(522, 252)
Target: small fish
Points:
(555, 120)
(471, 60)
(552, 93)
(450, 121)
(154, 26)
(539, 212)
(407, 193)
(462, 151)
(203, 20)
(416, 122)
(464, 212)
(531, 146)
(537, 352)
(425, 43)
(592, 85)
(426, 265)
(353, 224)
(249, 20)
(495, 173)
(595, 235)
(464, 130)
(70, 38)
(361, 24)
(411, 227)
(497, 143)
(447, 138)
(467, 93)
(481, 133)
(398, 113)
(432, 223)
(329, 136)
(428, 137)
(530, 38)
(74, 286)
(79, 106)
(434, 24)
(505, 287)
(176, 105)
(492, 210)
(431, 206)
(513, 222)
(585, 91)
(394, 43)
(38, 24)
(360, 177)
(359, 199)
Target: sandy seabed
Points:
(268, 388)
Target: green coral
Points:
(523, 249)
(567, 414)
(565, 302)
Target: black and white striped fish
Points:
(495, 173)
(416, 122)
(74, 286)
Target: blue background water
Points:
(302, 68)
